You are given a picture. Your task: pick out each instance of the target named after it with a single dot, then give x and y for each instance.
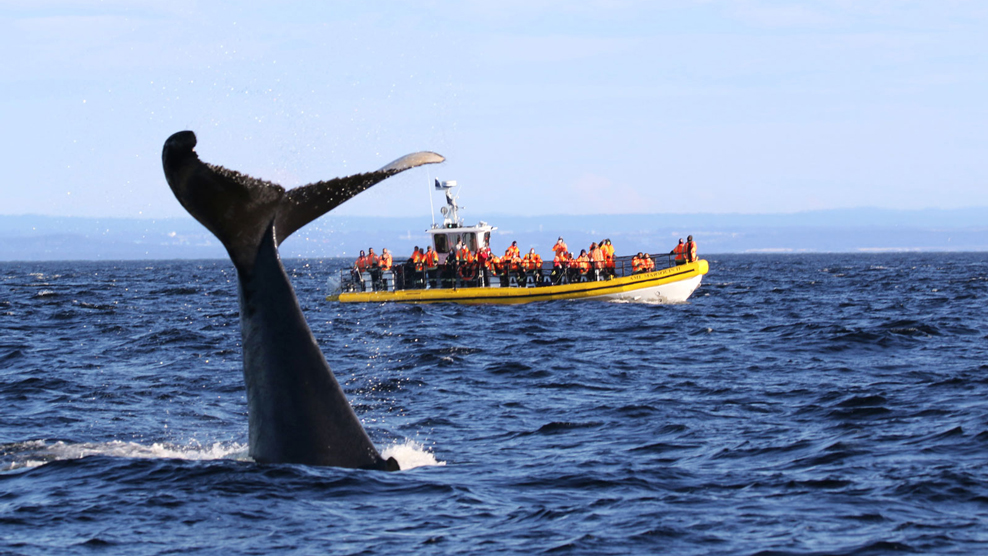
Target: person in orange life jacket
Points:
(583, 261)
(484, 257)
(690, 249)
(373, 265)
(463, 254)
(513, 250)
(430, 262)
(638, 264)
(558, 266)
(359, 266)
(572, 265)
(649, 263)
(532, 262)
(430, 259)
(386, 260)
(560, 246)
(596, 256)
(608, 250)
(413, 267)
(680, 252)
(361, 263)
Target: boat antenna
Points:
(451, 217)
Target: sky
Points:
(539, 106)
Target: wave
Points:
(35, 453)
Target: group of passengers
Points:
(462, 264)
(684, 252)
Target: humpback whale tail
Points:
(237, 208)
(297, 411)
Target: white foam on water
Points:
(35, 453)
(410, 455)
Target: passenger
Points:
(560, 246)
(597, 259)
(608, 250)
(638, 264)
(649, 263)
(680, 252)
(463, 254)
(386, 260)
(512, 261)
(559, 266)
(573, 266)
(533, 263)
(484, 257)
(514, 251)
(430, 263)
(359, 267)
(583, 262)
(416, 266)
(373, 266)
(690, 249)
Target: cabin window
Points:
(487, 239)
(441, 244)
(471, 242)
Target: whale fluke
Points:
(312, 201)
(297, 411)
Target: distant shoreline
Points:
(48, 238)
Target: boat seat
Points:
(388, 281)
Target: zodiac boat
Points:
(455, 282)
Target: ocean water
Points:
(798, 404)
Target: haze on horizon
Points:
(541, 107)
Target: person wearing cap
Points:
(690, 249)
(680, 252)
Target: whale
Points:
(297, 411)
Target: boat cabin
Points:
(445, 239)
(452, 231)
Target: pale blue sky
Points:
(540, 107)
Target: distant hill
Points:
(33, 238)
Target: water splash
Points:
(410, 455)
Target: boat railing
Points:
(409, 275)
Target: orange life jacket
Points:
(583, 263)
(680, 252)
(431, 259)
(386, 261)
(690, 251)
(361, 264)
(532, 261)
(637, 264)
(649, 263)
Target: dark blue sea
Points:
(798, 404)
